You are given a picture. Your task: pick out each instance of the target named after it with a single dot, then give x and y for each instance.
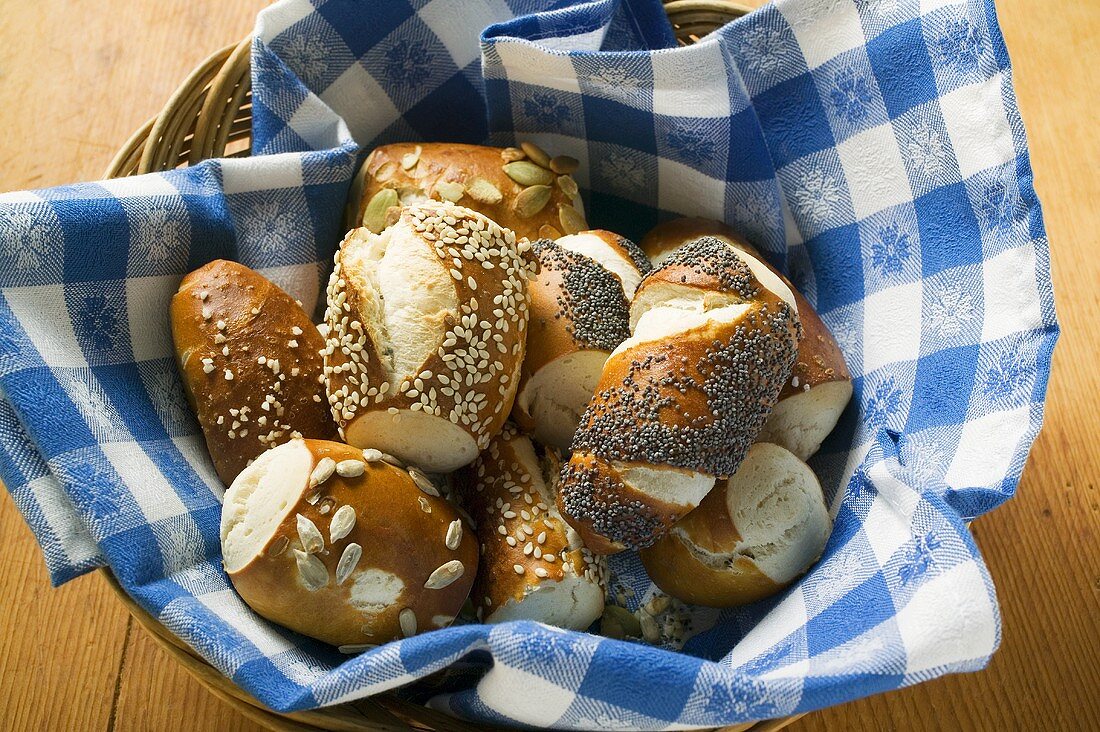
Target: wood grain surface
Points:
(76, 78)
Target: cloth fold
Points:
(871, 148)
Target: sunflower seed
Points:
(349, 560)
(409, 160)
(407, 618)
(450, 190)
(546, 231)
(564, 165)
(278, 546)
(312, 571)
(385, 171)
(355, 648)
(454, 535)
(568, 186)
(444, 575)
(324, 469)
(511, 154)
(536, 153)
(309, 535)
(350, 468)
(531, 200)
(371, 455)
(571, 219)
(423, 482)
(482, 190)
(424, 505)
(374, 217)
(343, 521)
(527, 173)
(387, 458)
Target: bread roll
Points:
(250, 361)
(749, 538)
(533, 564)
(820, 384)
(332, 542)
(425, 328)
(680, 401)
(579, 314)
(522, 189)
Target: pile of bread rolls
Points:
(496, 398)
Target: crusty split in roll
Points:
(330, 541)
(425, 329)
(533, 564)
(579, 315)
(714, 338)
(522, 189)
(819, 387)
(749, 538)
(250, 361)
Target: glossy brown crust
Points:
(442, 162)
(677, 570)
(260, 321)
(491, 377)
(819, 357)
(503, 475)
(401, 529)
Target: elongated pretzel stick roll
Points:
(250, 361)
(425, 327)
(334, 542)
(523, 189)
(533, 564)
(679, 402)
(580, 312)
(820, 385)
(749, 538)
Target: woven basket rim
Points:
(210, 110)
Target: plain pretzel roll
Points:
(820, 384)
(579, 314)
(533, 564)
(521, 188)
(679, 402)
(749, 538)
(425, 327)
(250, 361)
(332, 542)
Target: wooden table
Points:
(76, 80)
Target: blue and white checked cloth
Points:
(872, 147)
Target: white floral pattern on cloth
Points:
(25, 238)
(950, 310)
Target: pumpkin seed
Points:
(349, 560)
(618, 622)
(546, 231)
(482, 190)
(564, 164)
(407, 618)
(312, 571)
(527, 173)
(409, 160)
(309, 535)
(450, 190)
(385, 171)
(651, 631)
(343, 521)
(536, 153)
(571, 219)
(352, 649)
(445, 575)
(531, 200)
(511, 154)
(568, 186)
(374, 217)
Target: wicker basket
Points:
(210, 115)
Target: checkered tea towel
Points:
(872, 147)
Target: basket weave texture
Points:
(209, 116)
